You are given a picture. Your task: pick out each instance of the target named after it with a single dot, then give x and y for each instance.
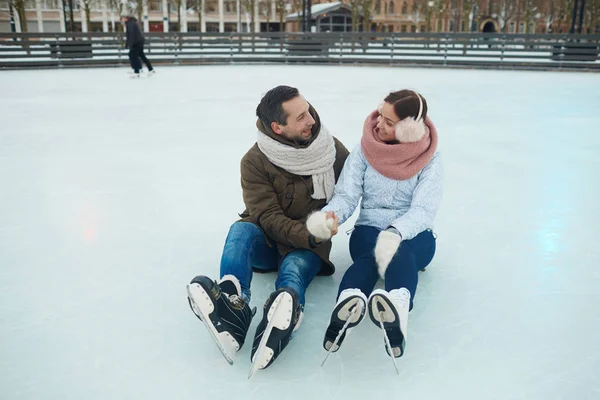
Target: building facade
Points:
(510, 16)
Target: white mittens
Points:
(319, 225)
(387, 245)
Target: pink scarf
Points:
(397, 161)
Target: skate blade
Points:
(225, 342)
(387, 342)
(353, 313)
(280, 317)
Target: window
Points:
(413, 28)
(423, 28)
(230, 27)
(155, 5)
(404, 8)
(211, 6)
(212, 27)
(95, 27)
(52, 5)
(378, 7)
(522, 27)
(391, 7)
(511, 27)
(403, 28)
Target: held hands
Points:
(322, 225)
(388, 243)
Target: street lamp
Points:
(430, 5)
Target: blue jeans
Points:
(246, 246)
(412, 256)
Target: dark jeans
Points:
(412, 256)
(136, 56)
(247, 247)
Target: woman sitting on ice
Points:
(398, 173)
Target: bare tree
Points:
(429, 12)
(281, 8)
(265, 10)
(417, 13)
(565, 13)
(549, 11)
(178, 4)
(592, 16)
(531, 10)
(297, 9)
(470, 13)
(367, 8)
(248, 6)
(506, 10)
(19, 6)
(120, 8)
(442, 9)
(86, 6)
(200, 11)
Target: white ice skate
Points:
(389, 311)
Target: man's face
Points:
(299, 121)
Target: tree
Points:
(355, 6)
(249, 9)
(442, 9)
(565, 13)
(200, 11)
(86, 6)
(265, 10)
(592, 16)
(120, 8)
(470, 13)
(19, 6)
(532, 9)
(415, 15)
(506, 10)
(281, 7)
(367, 6)
(297, 8)
(549, 11)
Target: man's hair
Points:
(270, 108)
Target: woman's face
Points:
(386, 122)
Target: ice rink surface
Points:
(116, 192)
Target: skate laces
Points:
(401, 296)
(235, 300)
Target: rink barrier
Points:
(460, 50)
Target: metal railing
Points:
(468, 50)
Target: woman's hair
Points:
(406, 104)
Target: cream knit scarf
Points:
(316, 160)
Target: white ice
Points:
(116, 192)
